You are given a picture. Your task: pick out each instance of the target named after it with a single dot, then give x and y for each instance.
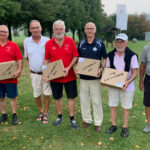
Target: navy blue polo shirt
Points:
(95, 50)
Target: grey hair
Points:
(91, 23)
(35, 21)
(59, 22)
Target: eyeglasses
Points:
(89, 28)
(58, 29)
(33, 28)
(121, 42)
(3, 31)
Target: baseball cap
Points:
(122, 36)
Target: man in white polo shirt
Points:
(34, 51)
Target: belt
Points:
(35, 72)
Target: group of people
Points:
(40, 50)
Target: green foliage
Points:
(137, 25)
(8, 9)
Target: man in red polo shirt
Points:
(9, 51)
(62, 47)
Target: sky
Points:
(132, 6)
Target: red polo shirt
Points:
(68, 50)
(9, 52)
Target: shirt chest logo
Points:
(8, 49)
(53, 48)
(66, 46)
(94, 49)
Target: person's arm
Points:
(142, 72)
(104, 55)
(74, 60)
(102, 67)
(45, 62)
(19, 69)
(133, 76)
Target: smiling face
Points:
(3, 33)
(121, 45)
(90, 30)
(59, 31)
(35, 28)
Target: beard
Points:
(59, 36)
(120, 49)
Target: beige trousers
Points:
(90, 90)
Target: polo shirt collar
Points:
(94, 41)
(7, 43)
(53, 40)
(31, 39)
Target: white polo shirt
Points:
(35, 52)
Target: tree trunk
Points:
(73, 35)
(50, 24)
(9, 29)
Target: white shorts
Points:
(39, 86)
(126, 98)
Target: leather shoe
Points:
(98, 128)
(85, 124)
(125, 132)
(111, 130)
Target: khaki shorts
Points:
(126, 98)
(39, 86)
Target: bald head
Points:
(4, 27)
(4, 33)
(90, 30)
(35, 21)
(35, 28)
(90, 24)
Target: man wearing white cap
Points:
(122, 58)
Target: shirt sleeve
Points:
(25, 49)
(18, 54)
(108, 63)
(143, 56)
(47, 56)
(104, 54)
(134, 62)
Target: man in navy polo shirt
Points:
(92, 48)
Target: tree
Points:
(137, 25)
(9, 10)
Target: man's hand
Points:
(99, 72)
(141, 86)
(66, 71)
(125, 85)
(17, 74)
(44, 79)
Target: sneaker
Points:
(3, 118)
(125, 132)
(73, 124)
(57, 122)
(14, 120)
(147, 128)
(112, 129)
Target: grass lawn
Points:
(33, 135)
